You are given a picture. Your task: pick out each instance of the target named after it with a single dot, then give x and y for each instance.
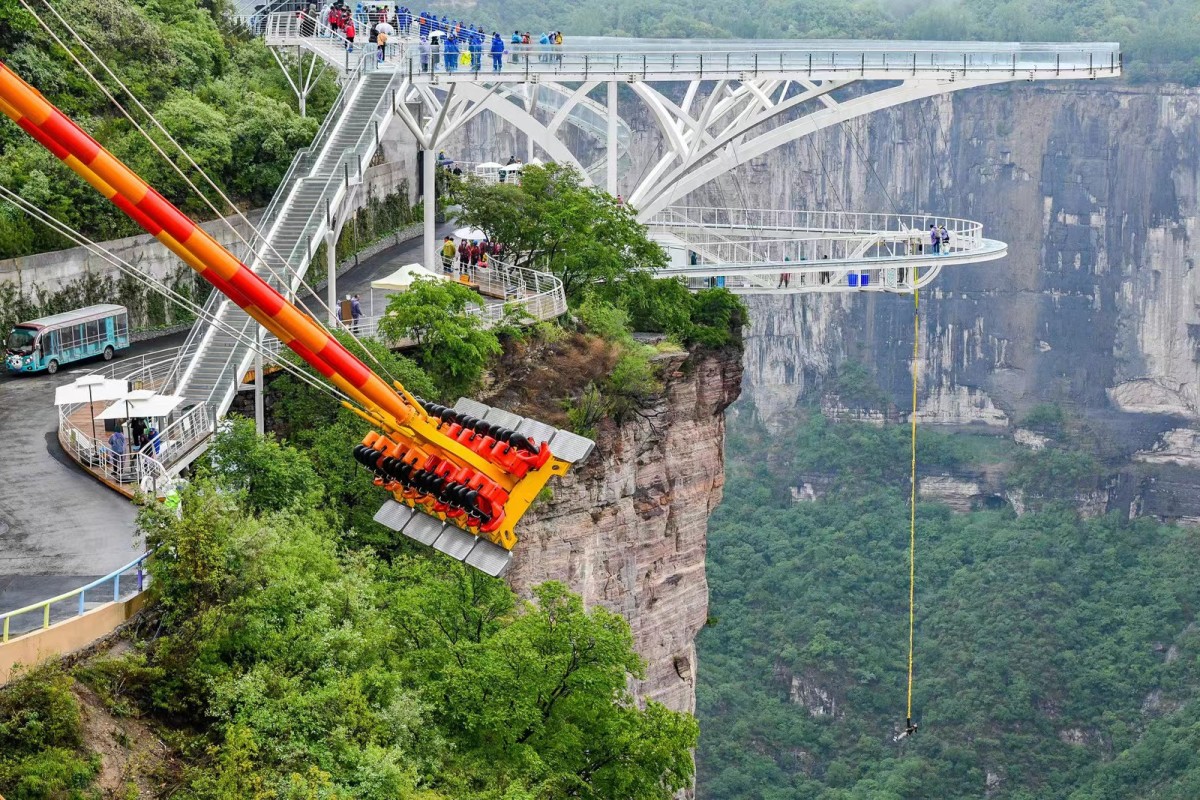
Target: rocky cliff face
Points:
(1094, 187)
(628, 529)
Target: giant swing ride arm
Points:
(479, 477)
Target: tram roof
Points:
(78, 315)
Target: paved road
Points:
(358, 279)
(59, 527)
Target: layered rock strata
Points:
(627, 530)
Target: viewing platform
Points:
(750, 251)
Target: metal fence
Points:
(125, 582)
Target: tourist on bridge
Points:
(382, 41)
(350, 34)
(515, 41)
(451, 49)
(935, 238)
(544, 45)
(497, 52)
(355, 313)
(784, 277)
(944, 235)
(447, 255)
(423, 49)
(475, 47)
(435, 46)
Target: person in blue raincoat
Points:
(476, 46)
(451, 54)
(497, 52)
(544, 55)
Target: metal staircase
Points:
(213, 360)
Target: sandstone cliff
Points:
(628, 529)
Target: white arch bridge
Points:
(716, 104)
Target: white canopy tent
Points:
(402, 279)
(141, 403)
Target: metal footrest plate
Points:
(455, 542)
(394, 515)
(568, 446)
(489, 558)
(424, 528)
(475, 551)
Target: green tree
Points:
(453, 345)
(552, 220)
(271, 476)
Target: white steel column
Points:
(429, 199)
(331, 277)
(259, 413)
(612, 138)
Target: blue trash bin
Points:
(852, 279)
(864, 280)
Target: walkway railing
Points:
(135, 582)
(666, 59)
(760, 222)
(149, 470)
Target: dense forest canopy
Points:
(216, 89)
(1160, 38)
(1057, 656)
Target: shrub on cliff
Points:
(453, 345)
(41, 735)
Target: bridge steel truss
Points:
(735, 100)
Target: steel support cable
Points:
(197, 167)
(870, 163)
(126, 268)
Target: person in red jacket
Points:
(350, 32)
(464, 255)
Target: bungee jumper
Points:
(468, 481)
(910, 728)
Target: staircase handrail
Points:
(290, 178)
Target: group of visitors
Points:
(939, 237)
(144, 435)
(471, 255)
(450, 43)
(461, 47)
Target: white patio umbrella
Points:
(88, 389)
(471, 234)
(385, 29)
(141, 403)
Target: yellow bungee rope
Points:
(909, 727)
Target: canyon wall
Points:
(627, 530)
(1092, 184)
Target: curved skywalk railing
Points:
(750, 251)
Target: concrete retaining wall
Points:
(66, 637)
